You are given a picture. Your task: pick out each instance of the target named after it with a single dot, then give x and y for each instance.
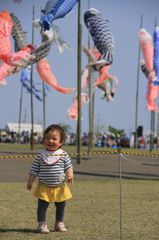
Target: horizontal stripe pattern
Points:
(50, 175)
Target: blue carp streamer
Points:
(54, 10)
(52, 5)
(156, 52)
(25, 80)
(103, 39)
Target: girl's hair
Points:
(55, 127)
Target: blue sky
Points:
(124, 17)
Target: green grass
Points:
(6, 147)
(92, 214)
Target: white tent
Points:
(14, 127)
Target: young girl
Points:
(53, 167)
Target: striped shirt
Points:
(50, 174)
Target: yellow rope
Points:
(84, 154)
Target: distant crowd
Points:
(99, 140)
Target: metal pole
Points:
(157, 126)
(152, 118)
(91, 102)
(44, 99)
(79, 84)
(158, 100)
(120, 192)
(90, 99)
(31, 93)
(16, 48)
(121, 210)
(91, 114)
(137, 89)
(20, 112)
(152, 131)
(44, 107)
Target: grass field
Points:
(92, 214)
(26, 147)
(96, 211)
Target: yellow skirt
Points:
(52, 194)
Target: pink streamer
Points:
(152, 93)
(72, 111)
(146, 44)
(48, 77)
(151, 96)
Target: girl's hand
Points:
(69, 175)
(29, 186)
(70, 179)
(30, 181)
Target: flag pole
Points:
(137, 89)
(91, 102)
(20, 112)
(44, 107)
(79, 84)
(152, 121)
(156, 24)
(31, 93)
(44, 100)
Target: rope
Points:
(119, 151)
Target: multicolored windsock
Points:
(98, 27)
(55, 9)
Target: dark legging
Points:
(42, 208)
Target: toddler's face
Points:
(52, 140)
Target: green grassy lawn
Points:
(92, 214)
(26, 147)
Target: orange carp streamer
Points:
(6, 55)
(45, 73)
